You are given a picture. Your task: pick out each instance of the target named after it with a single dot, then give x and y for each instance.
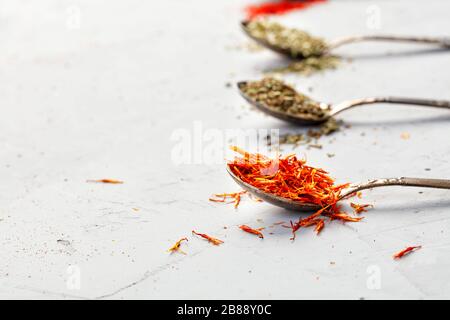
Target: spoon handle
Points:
(411, 101)
(406, 182)
(444, 42)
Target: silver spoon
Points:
(332, 110)
(442, 42)
(299, 206)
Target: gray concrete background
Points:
(96, 89)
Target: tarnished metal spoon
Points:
(301, 206)
(441, 42)
(332, 110)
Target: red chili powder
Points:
(278, 7)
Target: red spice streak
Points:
(111, 181)
(278, 7)
(253, 231)
(291, 178)
(344, 217)
(406, 251)
(214, 241)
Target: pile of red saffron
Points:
(291, 178)
(278, 7)
(287, 177)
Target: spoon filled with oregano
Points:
(299, 44)
(280, 100)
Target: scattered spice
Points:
(214, 241)
(221, 197)
(309, 66)
(358, 208)
(298, 43)
(253, 231)
(277, 95)
(406, 251)
(319, 226)
(359, 194)
(111, 181)
(278, 7)
(177, 245)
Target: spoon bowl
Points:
(279, 114)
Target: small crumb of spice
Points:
(406, 251)
(213, 240)
(177, 245)
(309, 66)
(311, 137)
(358, 208)
(278, 7)
(345, 217)
(252, 231)
(111, 181)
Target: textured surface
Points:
(102, 95)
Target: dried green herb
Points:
(309, 66)
(280, 97)
(297, 42)
(311, 137)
